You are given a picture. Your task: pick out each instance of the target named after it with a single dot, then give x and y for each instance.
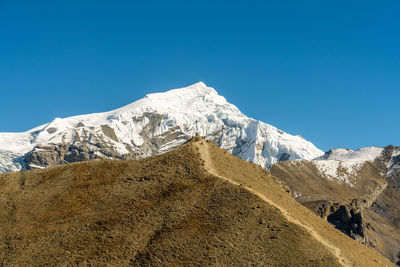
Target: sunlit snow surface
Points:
(341, 164)
(10, 162)
(193, 109)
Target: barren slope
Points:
(164, 210)
(371, 195)
(254, 177)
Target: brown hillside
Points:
(376, 196)
(305, 178)
(179, 208)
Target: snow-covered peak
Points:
(359, 155)
(155, 124)
(196, 98)
(192, 91)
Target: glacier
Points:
(155, 124)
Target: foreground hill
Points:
(196, 205)
(152, 125)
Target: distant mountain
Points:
(152, 125)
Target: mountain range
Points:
(355, 190)
(152, 125)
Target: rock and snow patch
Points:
(342, 165)
(393, 165)
(360, 155)
(339, 171)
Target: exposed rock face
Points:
(349, 219)
(90, 144)
(322, 207)
(52, 155)
(387, 203)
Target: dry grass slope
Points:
(371, 185)
(163, 210)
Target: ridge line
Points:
(209, 167)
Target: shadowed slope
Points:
(164, 210)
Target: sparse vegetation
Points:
(163, 210)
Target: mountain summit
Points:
(152, 125)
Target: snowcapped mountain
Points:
(155, 124)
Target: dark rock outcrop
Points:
(349, 219)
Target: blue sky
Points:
(327, 70)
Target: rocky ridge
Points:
(357, 191)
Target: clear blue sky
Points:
(327, 70)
